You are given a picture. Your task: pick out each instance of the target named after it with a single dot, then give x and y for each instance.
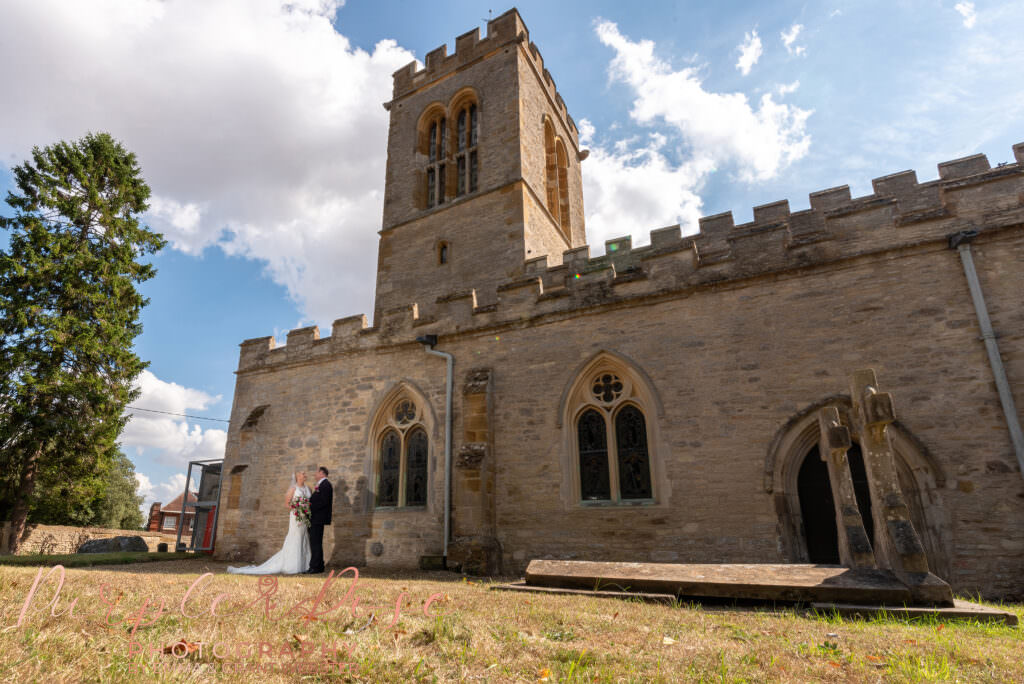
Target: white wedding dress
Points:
(293, 557)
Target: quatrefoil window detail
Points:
(405, 412)
(607, 387)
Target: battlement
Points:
(469, 47)
(900, 213)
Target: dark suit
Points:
(320, 504)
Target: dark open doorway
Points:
(818, 510)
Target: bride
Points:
(293, 558)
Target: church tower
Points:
(483, 171)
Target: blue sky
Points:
(259, 126)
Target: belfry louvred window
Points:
(556, 162)
(448, 138)
(436, 156)
(465, 148)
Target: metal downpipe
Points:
(962, 243)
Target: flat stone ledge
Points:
(643, 596)
(961, 610)
(798, 583)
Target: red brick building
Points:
(166, 519)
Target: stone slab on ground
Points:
(786, 582)
(961, 610)
(643, 596)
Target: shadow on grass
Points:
(84, 560)
(189, 563)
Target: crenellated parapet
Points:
(537, 62)
(469, 47)
(900, 213)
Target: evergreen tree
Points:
(118, 506)
(69, 312)
(106, 497)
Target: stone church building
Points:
(656, 403)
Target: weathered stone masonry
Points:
(734, 338)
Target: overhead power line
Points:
(183, 415)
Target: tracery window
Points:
(612, 444)
(402, 455)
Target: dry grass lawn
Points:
(470, 634)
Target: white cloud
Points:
(789, 38)
(787, 88)
(630, 187)
(163, 492)
(632, 184)
(170, 436)
(718, 128)
(180, 221)
(966, 10)
(257, 125)
(750, 51)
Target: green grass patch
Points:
(82, 560)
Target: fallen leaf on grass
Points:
(668, 641)
(189, 647)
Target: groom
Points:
(320, 504)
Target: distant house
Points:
(166, 519)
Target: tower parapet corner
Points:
(254, 351)
(469, 46)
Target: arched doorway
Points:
(795, 445)
(817, 507)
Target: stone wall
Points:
(728, 339)
(51, 539)
(739, 330)
(489, 232)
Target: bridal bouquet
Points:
(300, 507)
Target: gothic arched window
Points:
(612, 451)
(401, 455)
(465, 113)
(556, 171)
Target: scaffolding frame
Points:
(197, 505)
